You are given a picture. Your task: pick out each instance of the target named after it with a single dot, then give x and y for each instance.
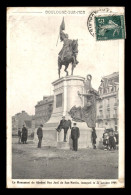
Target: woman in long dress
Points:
(24, 135)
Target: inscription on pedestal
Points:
(59, 100)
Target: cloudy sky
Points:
(32, 54)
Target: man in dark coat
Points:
(64, 124)
(61, 125)
(24, 134)
(40, 135)
(94, 136)
(75, 134)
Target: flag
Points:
(62, 26)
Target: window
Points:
(105, 90)
(108, 113)
(59, 100)
(116, 122)
(115, 111)
(108, 101)
(101, 113)
(115, 99)
(116, 79)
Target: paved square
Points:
(30, 162)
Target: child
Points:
(19, 136)
(112, 143)
(105, 140)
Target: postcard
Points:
(65, 97)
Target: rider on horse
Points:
(66, 50)
(68, 53)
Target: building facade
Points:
(20, 119)
(43, 110)
(108, 105)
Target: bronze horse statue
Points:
(69, 57)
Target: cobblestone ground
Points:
(30, 162)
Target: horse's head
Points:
(75, 46)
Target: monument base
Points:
(49, 138)
(84, 140)
(54, 139)
(65, 97)
(63, 145)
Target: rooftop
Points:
(114, 74)
(46, 99)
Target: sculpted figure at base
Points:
(88, 112)
(69, 51)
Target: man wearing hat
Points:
(24, 134)
(61, 125)
(93, 136)
(40, 135)
(65, 125)
(75, 134)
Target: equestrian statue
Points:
(68, 53)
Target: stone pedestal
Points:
(65, 97)
(64, 145)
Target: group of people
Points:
(110, 139)
(75, 132)
(64, 124)
(22, 135)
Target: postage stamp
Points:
(110, 27)
(91, 18)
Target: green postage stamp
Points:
(110, 27)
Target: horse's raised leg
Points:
(66, 66)
(59, 67)
(73, 65)
(59, 71)
(72, 69)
